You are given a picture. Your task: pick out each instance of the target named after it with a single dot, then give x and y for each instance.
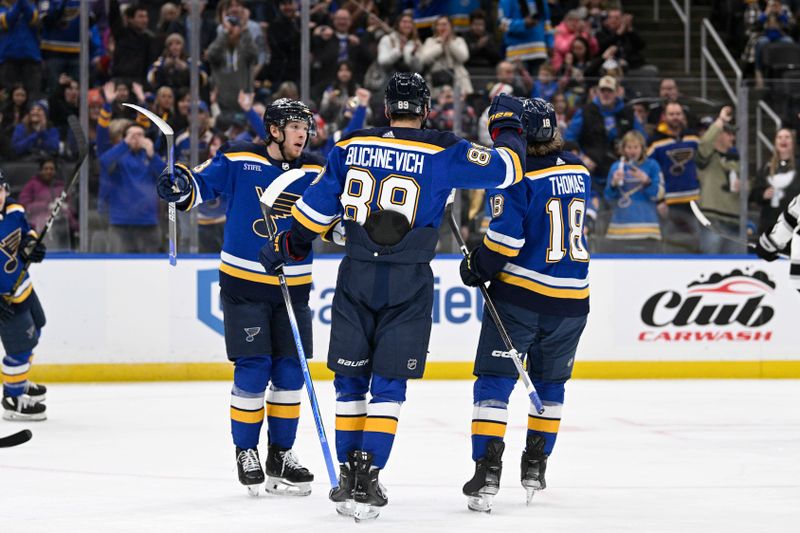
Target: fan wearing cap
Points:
(21, 314)
(718, 174)
(258, 338)
(536, 257)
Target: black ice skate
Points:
(285, 475)
(23, 408)
(343, 494)
(368, 493)
(534, 463)
(484, 485)
(250, 473)
(35, 392)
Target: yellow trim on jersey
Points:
(283, 411)
(350, 423)
(543, 424)
(62, 48)
(634, 230)
(3, 23)
(682, 199)
(499, 248)
(22, 297)
(694, 138)
(390, 141)
(493, 429)
(518, 172)
(13, 208)
(307, 222)
(380, 425)
(577, 294)
(313, 168)
(560, 168)
(522, 51)
(263, 278)
(236, 156)
(248, 417)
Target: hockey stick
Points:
(15, 439)
(267, 200)
(706, 223)
(515, 355)
(166, 129)
(83, 151)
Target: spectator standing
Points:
(718, 174)
(208, 30)
(633, 189)
(284, 43)
(232, 56)
(777, 182)
(35, 137)
(674, 146)
(526, 31)
(38, 197)
(336, 96)
(61, 44)
(236, 9)
(442, 57)
(134, 43)
(20, 55)
(132, 168)
(618, 31)
(397, 52)
(483, 49)
(571, 27)
(172, 68)
(63, 103)
(333, 44)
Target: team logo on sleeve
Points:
(497, 202)
(9, 247)
(281, 209)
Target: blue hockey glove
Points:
(505, 112)
(276, 253)
(6, 310)
(29, 250)
(766, 248)
(179, 190)
(469, 270)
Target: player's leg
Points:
(22, 399)
(285, 473)
(351, 415)
(550, 362)
(496, 377)
(248, 345)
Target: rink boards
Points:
(115, 319)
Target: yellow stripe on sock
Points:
(381, 425)
(278, 410)
(15, 379)
(248, 417)
(350, 423)
(491, 429)
(545, 425)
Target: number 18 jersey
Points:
(537, 228)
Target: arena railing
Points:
(685, 16)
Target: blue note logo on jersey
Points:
(9, 247)
(282, 208)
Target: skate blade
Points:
(346, 508)
(281, 487)
(253, 490)
(529, 496)
(19, 417)
(480, 504)
(365, 511)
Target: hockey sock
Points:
(351, 413)
(547, 423)
(250, 376)
(489, 412)
(383, 412)
(15, 374)
(283, 401)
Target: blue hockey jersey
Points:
(13, 227)
(535, 245)
(407, 170)
(241, 172)
(675, 156)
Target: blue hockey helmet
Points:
(407, 93)
(539, 120)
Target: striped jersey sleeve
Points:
(506, 233)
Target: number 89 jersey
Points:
(407, 170)
(538, 227)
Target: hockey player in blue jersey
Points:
(535, 256)
(21, 314)
(390, 185)
(257, 335)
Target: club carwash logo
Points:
(731, 307)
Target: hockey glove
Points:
(469, 270)
(277, 253)
(505, 112)
(178, 190)
(29, 250)
(6, 310)
(766, 248)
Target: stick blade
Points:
(698, 214)
(279, 185)
(165, 128)
(16, 439)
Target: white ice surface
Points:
(638, 456)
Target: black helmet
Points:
(538, 120)
(3, 182)
(285, 110)
(407, 93)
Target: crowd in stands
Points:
(648, 153)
